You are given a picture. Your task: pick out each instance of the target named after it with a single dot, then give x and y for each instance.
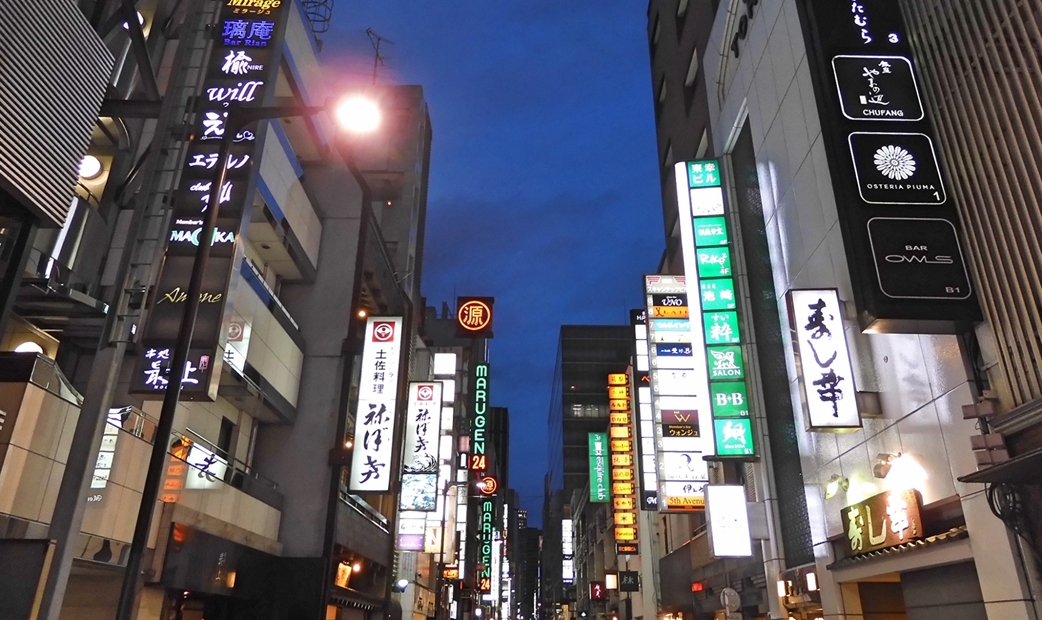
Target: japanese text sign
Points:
(881, 521)
(826, 375)
(377, 401)
(422, 427)
(474, 317)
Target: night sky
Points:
(544, 188)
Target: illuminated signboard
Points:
(826, 376)
(240, 71)
(377, 401)
(885, 520)
(486, 538)
(679, 392)
(727, 519)
(567, 551)
(707, 244)
(479, 421)
(474, 317)
(898, 223)
(644, 427)
(599, 491)
(420, 453)
(622, 470)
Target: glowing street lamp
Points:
(358, 114)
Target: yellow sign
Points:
(618, 378)
(669, 312)
(623, 503)
(625, 533)
(621, 460)
(625, 518)
(621, 445)
(622, 488)
(686, 503)
(622, 473)
(619, 432)
(619, 392)
(619, 405)
(619, 418)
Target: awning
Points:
(954, 534)
(1022, 469)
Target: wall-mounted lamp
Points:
(884, 461)
(90, 167)
(400, 585)
(834, 484)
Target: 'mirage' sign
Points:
(474, 317)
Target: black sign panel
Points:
(885, 170)
(474, 317)
(673, 300)
(877, 88)
(886, 520)
(627, 548)
(918, 258)
(896, 168)
(629, 581)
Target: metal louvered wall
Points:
(979, 61)
(53, 74)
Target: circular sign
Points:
(425, 392)
(489, 485)
(235, 330)
(730, 599)
(474, 315)
(383, 332)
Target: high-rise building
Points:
(315, 264)
(830, 131)
(586, 354)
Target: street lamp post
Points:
(355, 115)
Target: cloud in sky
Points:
(544, 187)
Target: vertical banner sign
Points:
(900, 228)
(486, 537)
(623, 483)
(567, 552)
(243, 66)
(823, 360)
(482, 500)
(727, 520)
(644, 424)
(707, 246)
(479, 461)
(377, 399)
(599, 490)
(420, 454)
(679, 392)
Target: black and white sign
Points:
(896, 169)
(825, 372)
(877, 88)
(918, 258)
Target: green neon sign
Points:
(721, 327)
(730, 399)
(734, 437)
(710, 231)
(718, 294)
(725, 363)
(600, 486)
(705, 173)
(713, 262)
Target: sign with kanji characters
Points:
(877, 87)
(371, 464)
(886, 520)
(823, 360)
(623, 474)
(420, 452)
(474, 317)
(629, 581)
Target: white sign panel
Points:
(422, 428)
(680, 400)
(826, 376)
(377, 399)
(727, 516)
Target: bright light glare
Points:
(29, 347)
(359, 115)
(90, 167)
(403, 583)
(906, 473)
(140, 20)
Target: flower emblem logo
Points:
(895, 162)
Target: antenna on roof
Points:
(376, 39)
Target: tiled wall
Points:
(265, 344)
(279, 176)
(34, 443)
(920, 379)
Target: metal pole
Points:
(153, 479)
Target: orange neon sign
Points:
(474, 315)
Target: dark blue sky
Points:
(544, 188)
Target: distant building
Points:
(586, 354)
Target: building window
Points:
(667, 160)
(681, 18)
(662, 91)
(703, 145)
